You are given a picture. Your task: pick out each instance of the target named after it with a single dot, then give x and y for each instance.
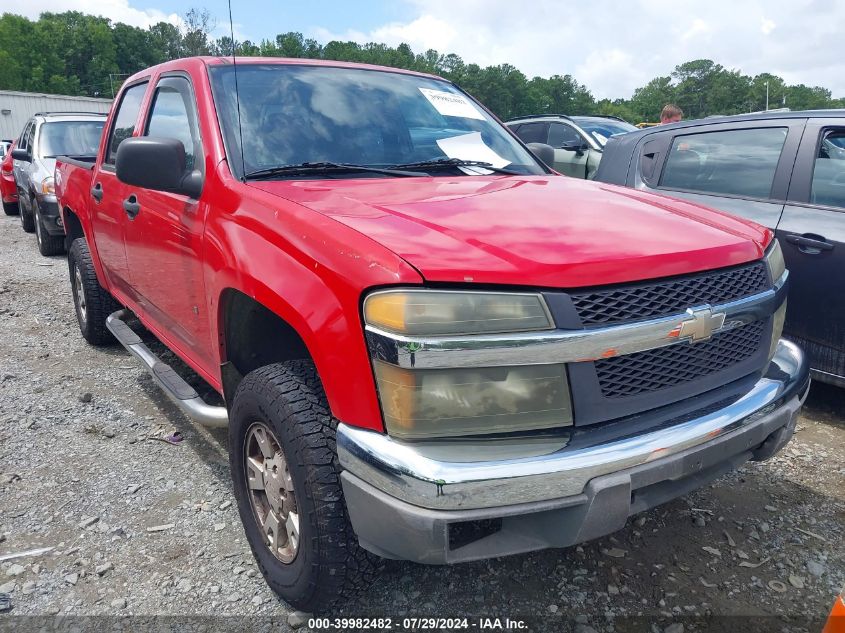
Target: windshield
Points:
(602, 129)
(70, 138)
(309, 114)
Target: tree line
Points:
(77, 54)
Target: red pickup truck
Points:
(429, 346)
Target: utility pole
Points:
(767, 96)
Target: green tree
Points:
(166, 41)
(801, 97)
(198, 23)
(649, 100)
(695, 81)
(757, 93)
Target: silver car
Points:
(577, 141)
(45, 136)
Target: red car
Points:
(8, 188)
(430, 346)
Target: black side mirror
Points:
(545, 153)
(20, 154)
(574, 146)
(157, 163)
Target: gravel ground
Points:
(138, 526)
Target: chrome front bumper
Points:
(411, 488)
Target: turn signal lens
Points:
(778, 319)
(444, 312)
(48, 186)
(774, 260)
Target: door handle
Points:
(809, 243)
(131, 206)
(97, 192)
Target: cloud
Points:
(698, 28)
(115, 10)
(766, 26)
(613, 50)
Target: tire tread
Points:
(295, 394)
(100, 304)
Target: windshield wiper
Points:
(324, 167)
(448, 163)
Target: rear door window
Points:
(729, 162)
(828, 184)
(124, 121)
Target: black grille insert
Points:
(641, 301)
(675, 364)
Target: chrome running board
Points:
(180, 392)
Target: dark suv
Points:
(785, 170)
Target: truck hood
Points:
(546, 231)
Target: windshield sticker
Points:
(470, 147)
(451, 104)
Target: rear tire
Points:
(320, 563)
(92, 302)
(27, 222)
(47, 244)
(11, 208)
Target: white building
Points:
(17, 107)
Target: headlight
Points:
(432, 403)
(48, 186)
(429, 403)
(444, 313)
(774, 260)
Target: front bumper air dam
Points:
(405, 504)
(49, 211)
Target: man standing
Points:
(671, 114)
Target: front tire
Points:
(287, 483)
(92, 302)
(27, 222)
(47, 244)
(10, 208)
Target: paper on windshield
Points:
(470, 147)
(451, 104)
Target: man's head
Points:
(671, 114)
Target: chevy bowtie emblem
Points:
(699, 325)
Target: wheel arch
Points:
(252, 336)
(73, 226)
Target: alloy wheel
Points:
(79, 290)
(271, 492)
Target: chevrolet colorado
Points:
(428, 346)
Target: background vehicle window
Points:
(602, 129)
(22, 141)
(737, 162)
(124, 122)
(534, 132)
(561, 134)
(30, 134)
(828, 187)
(69, 138)
(171, 117)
